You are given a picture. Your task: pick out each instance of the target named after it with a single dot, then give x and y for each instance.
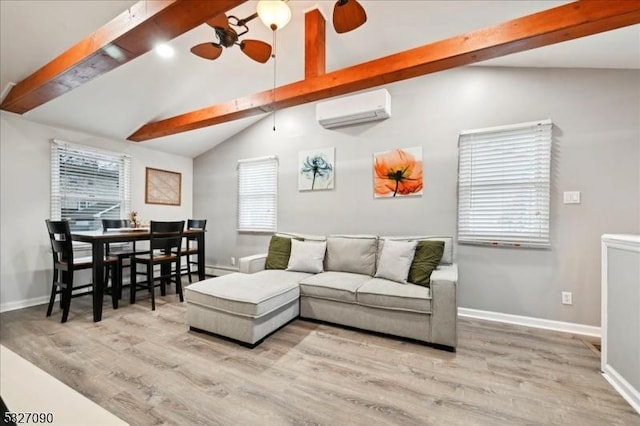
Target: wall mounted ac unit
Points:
(360, 108)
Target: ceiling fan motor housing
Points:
(227, 36)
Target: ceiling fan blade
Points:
(219, 21)
(257, 50)
(207, 50)
(348, 15)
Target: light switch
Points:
(572, 197)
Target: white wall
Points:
(596, 115)
(25, 253)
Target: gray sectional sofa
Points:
(351, 280)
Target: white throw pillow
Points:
(395, 260)
(307, 256)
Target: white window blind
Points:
(504, 185)
(258, 194)
(88, 185)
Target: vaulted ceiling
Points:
(150, 88)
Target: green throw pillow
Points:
(426, 259)
(279, 252)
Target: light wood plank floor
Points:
(147, 368)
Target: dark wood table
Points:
(98, 239)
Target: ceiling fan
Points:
(347, 16)
(227, 36)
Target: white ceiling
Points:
(151, 88)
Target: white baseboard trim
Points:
(567, 327)
(12, 306)
(220, 270)
(624, 388)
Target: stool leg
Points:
(67, 278)
(114, 285)
(189, 269)
(132, 288)
(179, 280)
(151, 289)
(54, 286)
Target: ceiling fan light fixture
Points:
(275, 14)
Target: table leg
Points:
(97, 249)
(200, 240)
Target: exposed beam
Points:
(566, 22)
(314, 44)
(126, 37)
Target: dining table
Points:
(99, 238)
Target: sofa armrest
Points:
(444, 317)
(251, 264)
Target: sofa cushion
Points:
(381, 293)
(352, 253)
(447, 254)
(279, 252)
(426, 259)
(251, 295)
(333, 285)
(395, 260)
(307, 256)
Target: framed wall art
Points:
(163, 187)
(397, 173)
(316, 169)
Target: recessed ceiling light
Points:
(164, 50)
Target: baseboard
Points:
(624, 388)
(12, 306)
(220, 270)
(567, 327)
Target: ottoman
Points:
(244, 307)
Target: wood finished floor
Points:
(147, 368)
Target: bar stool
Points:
(192, 245)
(64, 266)
(165, 245)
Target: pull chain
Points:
(273, 92)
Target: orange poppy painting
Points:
(397, 173)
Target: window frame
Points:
(257, 178)
(59, 193)
(515, 159)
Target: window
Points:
(258, 194)
(504, 185)
(88, 185)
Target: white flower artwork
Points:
(316, 169)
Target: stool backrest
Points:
(115, 224)
(61, 244)
(166, 236)
(196, 224)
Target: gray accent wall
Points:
(596, 150)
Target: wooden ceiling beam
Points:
(563, 23)
(126, 37)
(314, 44)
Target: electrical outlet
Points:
(233, 261)
(567, 298)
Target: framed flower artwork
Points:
(316, 169)
(397, 173)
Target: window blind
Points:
(504, 185)
(258, 194)
(88, 185)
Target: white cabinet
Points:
(621, 315)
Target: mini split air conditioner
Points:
(360, 108)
